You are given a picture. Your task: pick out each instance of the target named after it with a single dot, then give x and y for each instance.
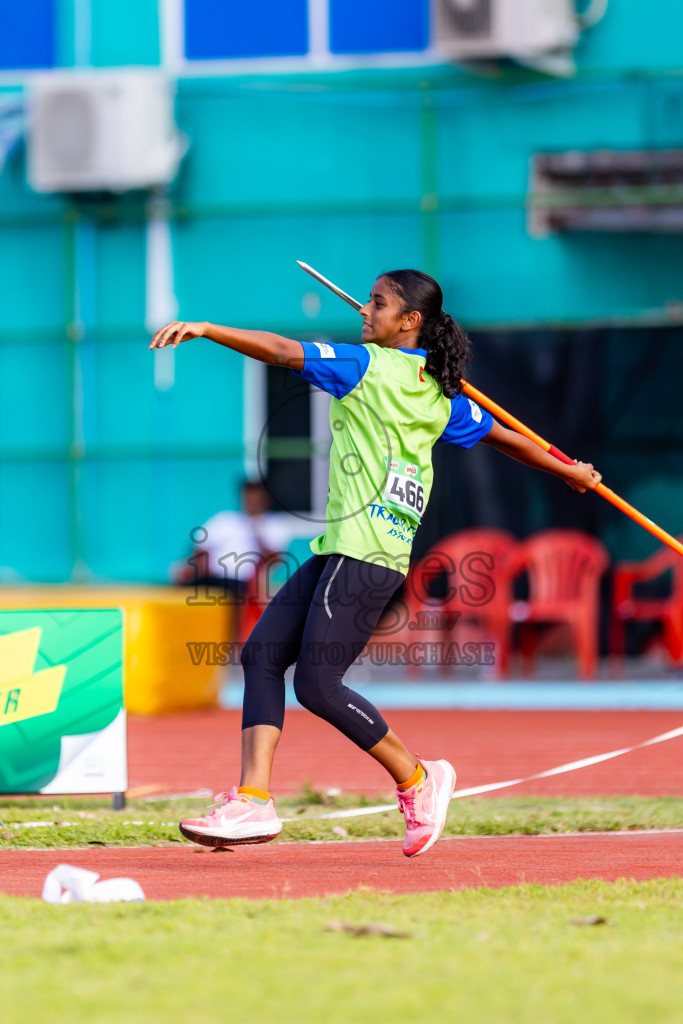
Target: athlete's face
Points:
(384, 322)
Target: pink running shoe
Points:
(425, 807)
(235, 821)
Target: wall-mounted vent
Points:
(607, 190)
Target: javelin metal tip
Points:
(328, 284)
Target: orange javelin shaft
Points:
(521, 428)
(601, 489)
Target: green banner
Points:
(62, 720)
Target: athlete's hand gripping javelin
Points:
(586, 479)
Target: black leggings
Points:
(321, 619)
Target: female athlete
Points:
(393, 397)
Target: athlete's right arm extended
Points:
(261, 345)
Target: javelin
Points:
(520, 427)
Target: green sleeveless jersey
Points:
(385, 415)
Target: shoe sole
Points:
(208, 840)
(442, 809)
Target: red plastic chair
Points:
(259, 590)
(564, 568)
(477, 591)
(249, 608)
(626, 607)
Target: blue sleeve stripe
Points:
(468, 423)
(336, 369)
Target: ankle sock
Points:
(259, 796)
(418, 776)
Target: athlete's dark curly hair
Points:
(448, 347)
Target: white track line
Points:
(490, 787)
(73, 824)
(621, 834)
(359, 812)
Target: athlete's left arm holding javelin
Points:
(469, 423)
(581, 476)
(262, 345)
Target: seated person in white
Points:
(230, 546)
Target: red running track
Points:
(183, 753)
(326, 869)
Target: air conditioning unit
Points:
(472, 29)
(101, 131)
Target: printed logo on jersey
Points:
(326, 351)
(420, 375)
(476, 411)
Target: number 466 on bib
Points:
(403, 491)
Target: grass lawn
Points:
(477, 957)
(71, 821)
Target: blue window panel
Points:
(217, 29)
(27, 34)
(378, 26)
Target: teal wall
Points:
(357, 178)
(352, 171)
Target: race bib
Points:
(403, 491)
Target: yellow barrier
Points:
(161, 672)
